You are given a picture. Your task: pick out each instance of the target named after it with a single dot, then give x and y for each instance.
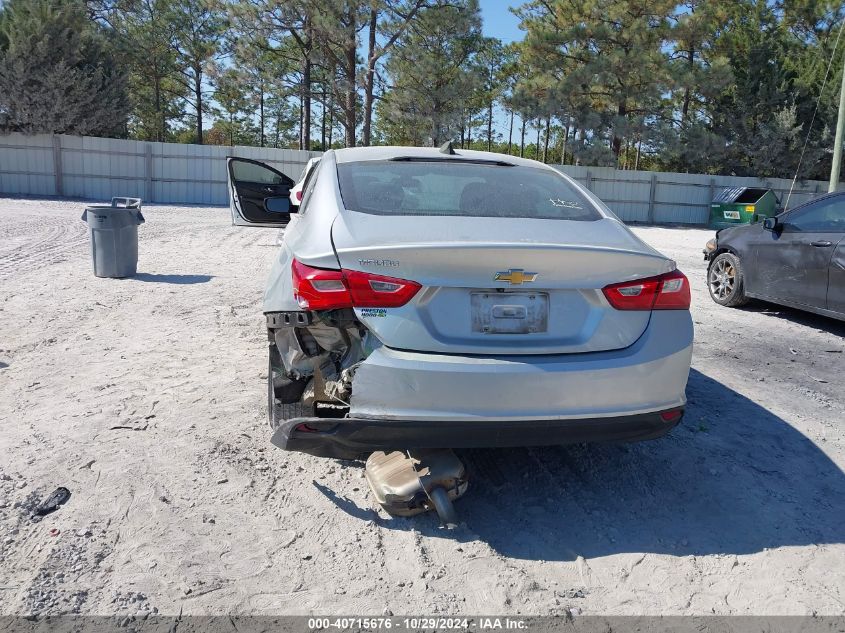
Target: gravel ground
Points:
(145, 397)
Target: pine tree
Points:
(431, 81)
(196, 29)
(58, 72)
(600, 57)
(387, 21)
(489, 61)
(143, 32)
(232, 104)
(336, 27)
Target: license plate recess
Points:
(510, 312)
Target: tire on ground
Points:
(736, 297)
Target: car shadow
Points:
(733, 478)
(348, 506)
(808, 319)
(173, 279)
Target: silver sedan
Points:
(434, 298)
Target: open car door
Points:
(258, 194)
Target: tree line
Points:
(745, 87)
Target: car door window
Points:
(244, 171)
(259, 194)
(824, 216)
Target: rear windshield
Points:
(452, 188)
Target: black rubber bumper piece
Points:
(351, 438)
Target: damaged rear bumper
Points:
(350, 438)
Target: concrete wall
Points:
(99, 168)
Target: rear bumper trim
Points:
(351, 438)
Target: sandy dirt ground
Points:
(146, 398)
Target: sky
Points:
(499, 21)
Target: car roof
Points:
(357, 154)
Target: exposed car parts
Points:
(322, 351)
(317, 354)
(287, 319)
(412, 482)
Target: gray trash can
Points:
(114, 236)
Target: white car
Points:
(427, 298)
(296, 190)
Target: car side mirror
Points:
(280, 204)
(772, 224)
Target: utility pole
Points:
(837, 144)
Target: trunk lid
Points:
(478, 296)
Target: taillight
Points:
(674, 294)
(318, 288)
(322, 289)
(669, 291)
(299, 195)
(377, 291)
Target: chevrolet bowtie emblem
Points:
(515, 276)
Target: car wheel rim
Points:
(722, 279)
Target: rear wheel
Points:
(725, 281)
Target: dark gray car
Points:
(795, 259)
